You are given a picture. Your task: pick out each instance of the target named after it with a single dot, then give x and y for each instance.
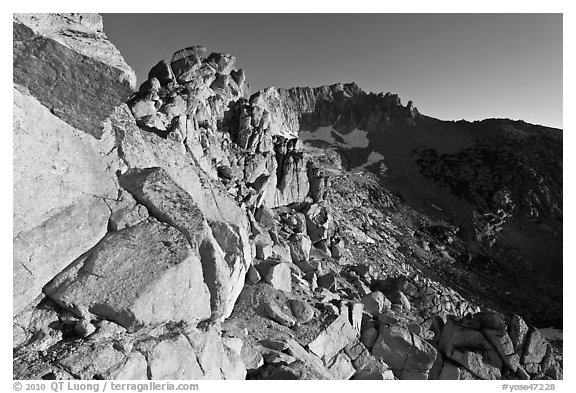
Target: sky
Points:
(452, 66)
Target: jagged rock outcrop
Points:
(224, 248)
(252, 145)
(76, 226)
(407, 354)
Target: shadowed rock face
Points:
(188, 230)
(67, 63)
(218, 245)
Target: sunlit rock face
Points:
(69, 65)
(68, 78)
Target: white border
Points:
(238, 6)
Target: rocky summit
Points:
(187, 228)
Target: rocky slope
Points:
(189, 230)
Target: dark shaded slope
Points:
(498, 180)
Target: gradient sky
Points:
(453, 66)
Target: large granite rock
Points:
(334, 338)
(168, 202)
(125, 212)
(319, 222)
(313, 362)
(292, 183)
(486, 347)
(185, 63)
(146, 150)
(376, 303)
(477, 364)
(42, 252)
(67, 62)
(282, 119)
(300, 246)
(174, 359)
(219, 244)
(280, 277)
(140, 275)
(535, 347)
(134, 368)
(225, 249)
(61, 184)
(68, 80)
(54, 163)
(407, 354)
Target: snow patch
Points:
(373, 158)
(321, 134)
(356, 138)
